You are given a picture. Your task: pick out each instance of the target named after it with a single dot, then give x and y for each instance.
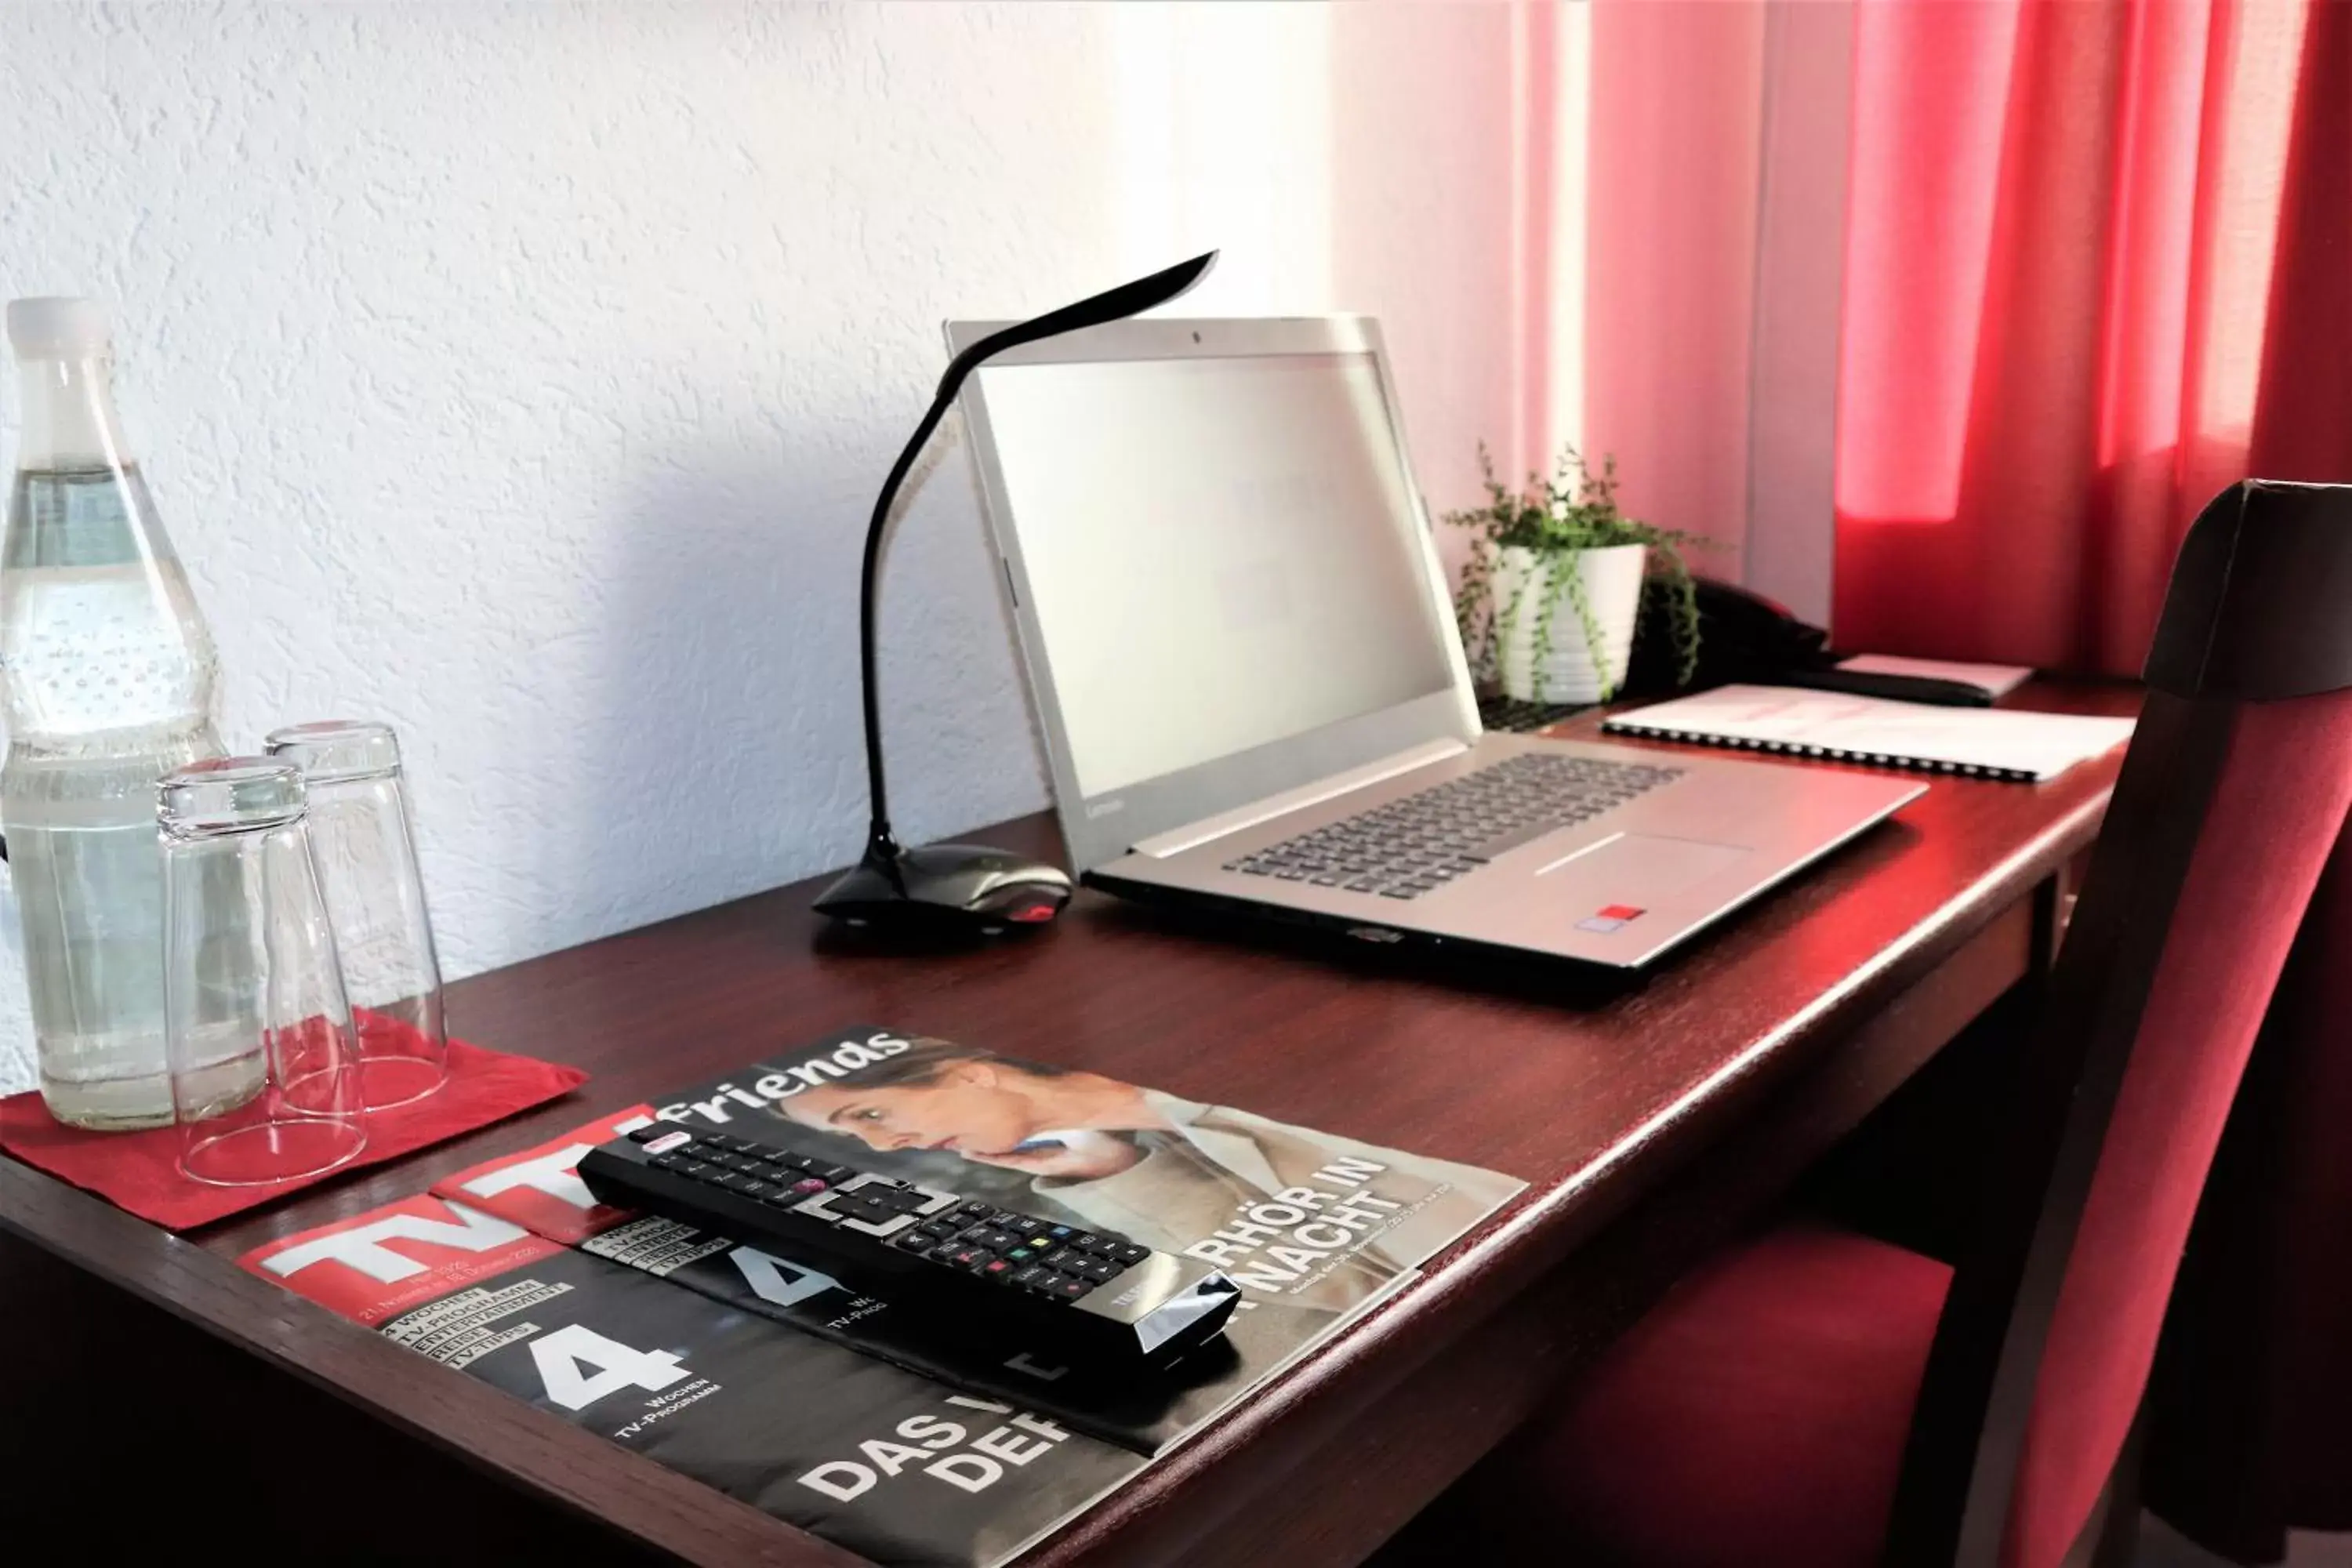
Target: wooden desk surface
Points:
(1595, 1100)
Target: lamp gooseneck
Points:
(883, 853)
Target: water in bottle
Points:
(107, 682)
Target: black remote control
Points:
(995, 1272)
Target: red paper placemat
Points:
(140, 1171)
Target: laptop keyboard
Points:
(1424, 841)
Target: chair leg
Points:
(2118, 1540)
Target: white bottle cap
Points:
(58, 327)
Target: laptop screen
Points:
(1222, 552)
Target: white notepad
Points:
(1985, 742)
(1993, 680)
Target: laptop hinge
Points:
(1176, 840)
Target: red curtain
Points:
(2098, 264)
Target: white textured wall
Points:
(520, 373)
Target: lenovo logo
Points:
(1375, 933)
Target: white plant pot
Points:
(1613, 587)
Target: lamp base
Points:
(947, 888)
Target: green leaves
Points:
(1574, 509)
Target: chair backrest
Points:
(2234, 790)
(2245, 1430)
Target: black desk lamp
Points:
(965, 887)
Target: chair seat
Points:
(1756, 1417)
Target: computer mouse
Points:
(1026, 893)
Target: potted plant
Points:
(1563, 542)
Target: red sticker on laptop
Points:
(1613, 917)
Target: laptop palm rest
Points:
(1639, 870)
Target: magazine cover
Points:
(1306, 1222)
(897, 1468)
(1315, 1227)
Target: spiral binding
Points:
(1823, 753)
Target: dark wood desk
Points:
(1650, 1124)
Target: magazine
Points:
(1317, 1229)
(901, 1469)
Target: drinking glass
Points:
(366, 853)
(257, 1035)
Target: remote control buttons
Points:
(1053, 1262)
(896, 1200)
(647, 1134)
(864, 1207)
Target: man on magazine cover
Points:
(1168, 1172)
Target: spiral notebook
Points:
(1979, 742)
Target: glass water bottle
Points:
(107, 683)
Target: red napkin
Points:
(140, 1171)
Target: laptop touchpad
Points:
(1641, 869)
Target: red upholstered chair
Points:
(2249, 1423)
(1817, 1399)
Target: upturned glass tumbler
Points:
(366, 852)
(265, 1070)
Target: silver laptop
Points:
(1241, 649)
